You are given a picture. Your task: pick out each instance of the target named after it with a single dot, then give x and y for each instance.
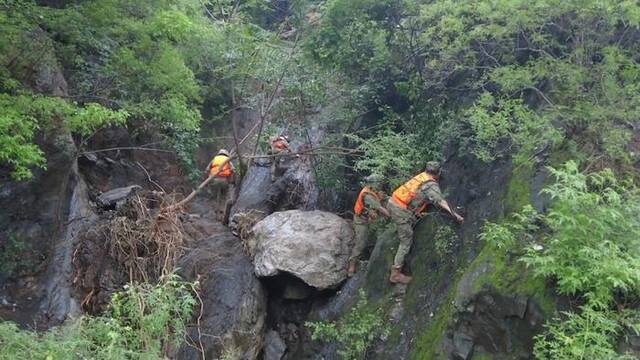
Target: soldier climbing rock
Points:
(224, 180)
(278, 146)
(406, 204)
(366, 209)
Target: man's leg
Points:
(273, 169)
(403, 220)
(230, 198)
(405, 237)
(219, 189)
(361, 231)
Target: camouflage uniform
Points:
(361, 225)
(405, 219)
(277, 160)
(223, 190)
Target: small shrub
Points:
(591, 334)
(16, 256)
(593, 245)
(444, 240)
(394, 155)
(355, 332)
(143, 322)
(589, 243)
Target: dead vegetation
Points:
(146, 237)
(242, 223)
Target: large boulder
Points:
(232, 322)
(311, 245)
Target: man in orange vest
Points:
(407, 202)
(366, 209)
(278, 146)
(223, 172)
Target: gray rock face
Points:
(115, 197)
(234, 303)
(274, 347)
(311, 245)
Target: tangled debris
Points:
(242, 225)
(147, 236)
(141, 241)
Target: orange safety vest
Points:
(215, 164)
(359, 206)
(406, 192)
(279, 144)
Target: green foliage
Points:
(588, 242)
(355, 331)
(87, 120)
(393, 155)
(445, 240)
(516, 77)
(15, 257)
(591, 334)
(494, 121)
(593, 244)
(23, 115)
(16, 135)
(518, 230)
(143, 322)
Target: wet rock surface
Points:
(234, 302)
(40, 222)
(113, 199)
(311, 245)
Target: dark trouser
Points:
(276, 162)
(223, 193)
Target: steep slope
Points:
(466, 299)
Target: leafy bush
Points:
(22, 115)
(396, 156)
(509, 72)
(16, 148)
(589, 242)
(143, 322)
(593, 246)
(592, 334)
(355, 331)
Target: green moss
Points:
(511, 277)
(481, 357)
(378, 275)
(567, 151)
(519, 188)
(429, 339)
(428, 342)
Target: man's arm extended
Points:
(445, 205)
(432, 193)
(375, 205)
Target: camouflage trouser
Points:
(223, 193)
(404, 227)
(360, 228)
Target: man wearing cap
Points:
(406, 204)
(366, 209)
(223, 172)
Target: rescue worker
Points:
(406, 204)
(278, 146)
(224, 183)
(366, 209)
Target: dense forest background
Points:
(548, 81)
